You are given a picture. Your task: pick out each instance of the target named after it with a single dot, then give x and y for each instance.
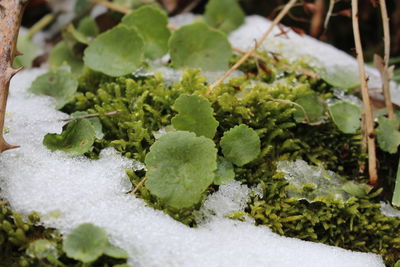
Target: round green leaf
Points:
(198, 46)
(388, 135)
(94, 121)
(195, 114)
(116, 52)
(151, 22)
(225, 15)
(225, 172)
(180, 168)
(88, 27)
(346, 116)
(240, 145)
(76, 138)
(61, 54)
(86, 243)
(311, 110)
(59, 84)
(339, 76)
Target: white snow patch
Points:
(69, 191)
(389, 210)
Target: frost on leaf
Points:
(180, 168)
(113, 58)
(346, 116)
(225, 15)
(198, 46)
(195, 114)
(152, 24)
(76, 138)
(240, 145)
(388, 134)
(59, 84)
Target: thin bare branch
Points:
(10, 21)
(112, 6)
(93, 115)
(275, 22)
(139, 185)
(385, 75)
(372, 169)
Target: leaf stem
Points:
(275, 22)
(385, 75)
(41, 24)
(372, 169)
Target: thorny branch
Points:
(369, 123)
(10, 19)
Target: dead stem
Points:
(385, 74)
(112, 6)
(93, 115)
(139, 185)
(10, 21)
(275, 22)
(373, 175)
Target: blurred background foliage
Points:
(308, 17)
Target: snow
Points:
(69, 191)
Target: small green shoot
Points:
(225, 15)
(240, 145)
(198, 46)
(195, 114)
(76, 138)
(60, 84)
(62, 55)
(346, 116)
(152, 23)
(113, 58)
(180, 168)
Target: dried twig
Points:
(10, 20)
(385, 74)
(93, 115)
(138, 185)
(373, 175)
(112, 6)
(275, 22)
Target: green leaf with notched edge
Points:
(85, 243)
(195, 114)
(340, 76)
(225, 172)
(198, 46)
(346, 116)
(180, 168)
(94, 121)
(388, 135)
(151, 22)
(225, 15)
(60, 84)
(116, 52)
(240, 145)
(76, 138)
(61, 55)
(311, 111)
